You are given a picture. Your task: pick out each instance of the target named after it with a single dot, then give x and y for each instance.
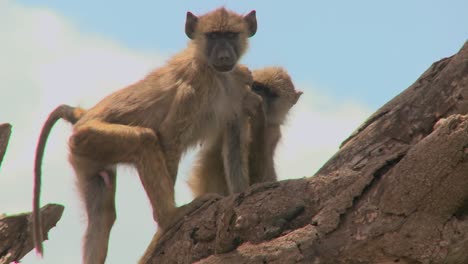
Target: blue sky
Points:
(366, 50)
(349, 58)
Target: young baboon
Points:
(197, 97)
(275, 87)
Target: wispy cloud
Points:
(46, 61)
(316, 126)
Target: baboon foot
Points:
(252, 103)
(199, 202)
(189, 208)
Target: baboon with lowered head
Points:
(277, 90)
(197, 97)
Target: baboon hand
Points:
(251, 103)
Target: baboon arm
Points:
(258, 154)
(181, 109)
(235, 156)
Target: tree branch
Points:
(396, 191)
(15, 236)
(5, 131)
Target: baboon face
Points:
(222, 36)
(222, 49)
(276, 105)
(275, 86)
(263, 91)
(268, 95)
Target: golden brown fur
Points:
(197, 97)
(275, 87)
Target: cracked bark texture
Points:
(395, 192)
(5, 131)
(15, 236)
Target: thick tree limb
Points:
(396, 191)
(15, 232)
(5, 131)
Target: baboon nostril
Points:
(224, 58)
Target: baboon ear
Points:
(251, 20)
(190, 25)
(298, 94)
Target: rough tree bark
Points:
(395, 192)
(15, 236)
(5, 131)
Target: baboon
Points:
(275, 87)
(196, 98)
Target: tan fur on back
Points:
(211, 97)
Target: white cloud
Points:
(46, 61)
(317, 125)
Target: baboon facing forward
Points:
(275, 87)
(197, 97)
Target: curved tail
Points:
(72, 115)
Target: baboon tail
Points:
(72, 115)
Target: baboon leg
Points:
(110, 143)
(258, 154)
(172, 162)
(159, 186)
(157, 182)
(186, 209)
(98, 196)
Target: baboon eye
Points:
(212, 35)
(231, 35)
(217, 35)
(263, 90)
(257, 89)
